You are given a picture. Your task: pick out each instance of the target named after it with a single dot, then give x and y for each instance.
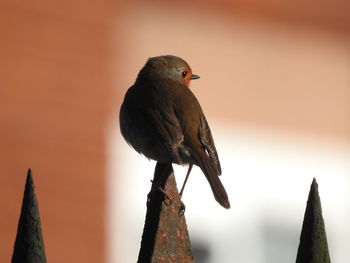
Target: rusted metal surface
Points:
(29, 245)
(165, 237)
(313, 247)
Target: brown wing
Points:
(170, 132)
(208, 143)
(143, 124)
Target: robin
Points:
(162, 119)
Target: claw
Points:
(167, 200)
(182, 209)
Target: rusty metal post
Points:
(313, 247)
(165, 237)
(29, 245)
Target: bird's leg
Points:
(186, 178)
(183, 207)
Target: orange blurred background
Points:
(275, 83)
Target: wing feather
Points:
(208, 143)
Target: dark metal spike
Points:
(29, 244)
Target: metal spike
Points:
(313, 247)
(165, 237)
(29, 245)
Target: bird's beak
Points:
(194, 77)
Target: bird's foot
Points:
(167, 199)
(155, 187)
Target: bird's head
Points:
(168, 67)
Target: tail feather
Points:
(210, 172)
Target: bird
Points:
(162, 119)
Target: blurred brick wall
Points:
(56, 96)
(330, 14)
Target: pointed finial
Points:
(313, 247)
(29, 245)
(165, 237)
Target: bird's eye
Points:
(184, 74)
